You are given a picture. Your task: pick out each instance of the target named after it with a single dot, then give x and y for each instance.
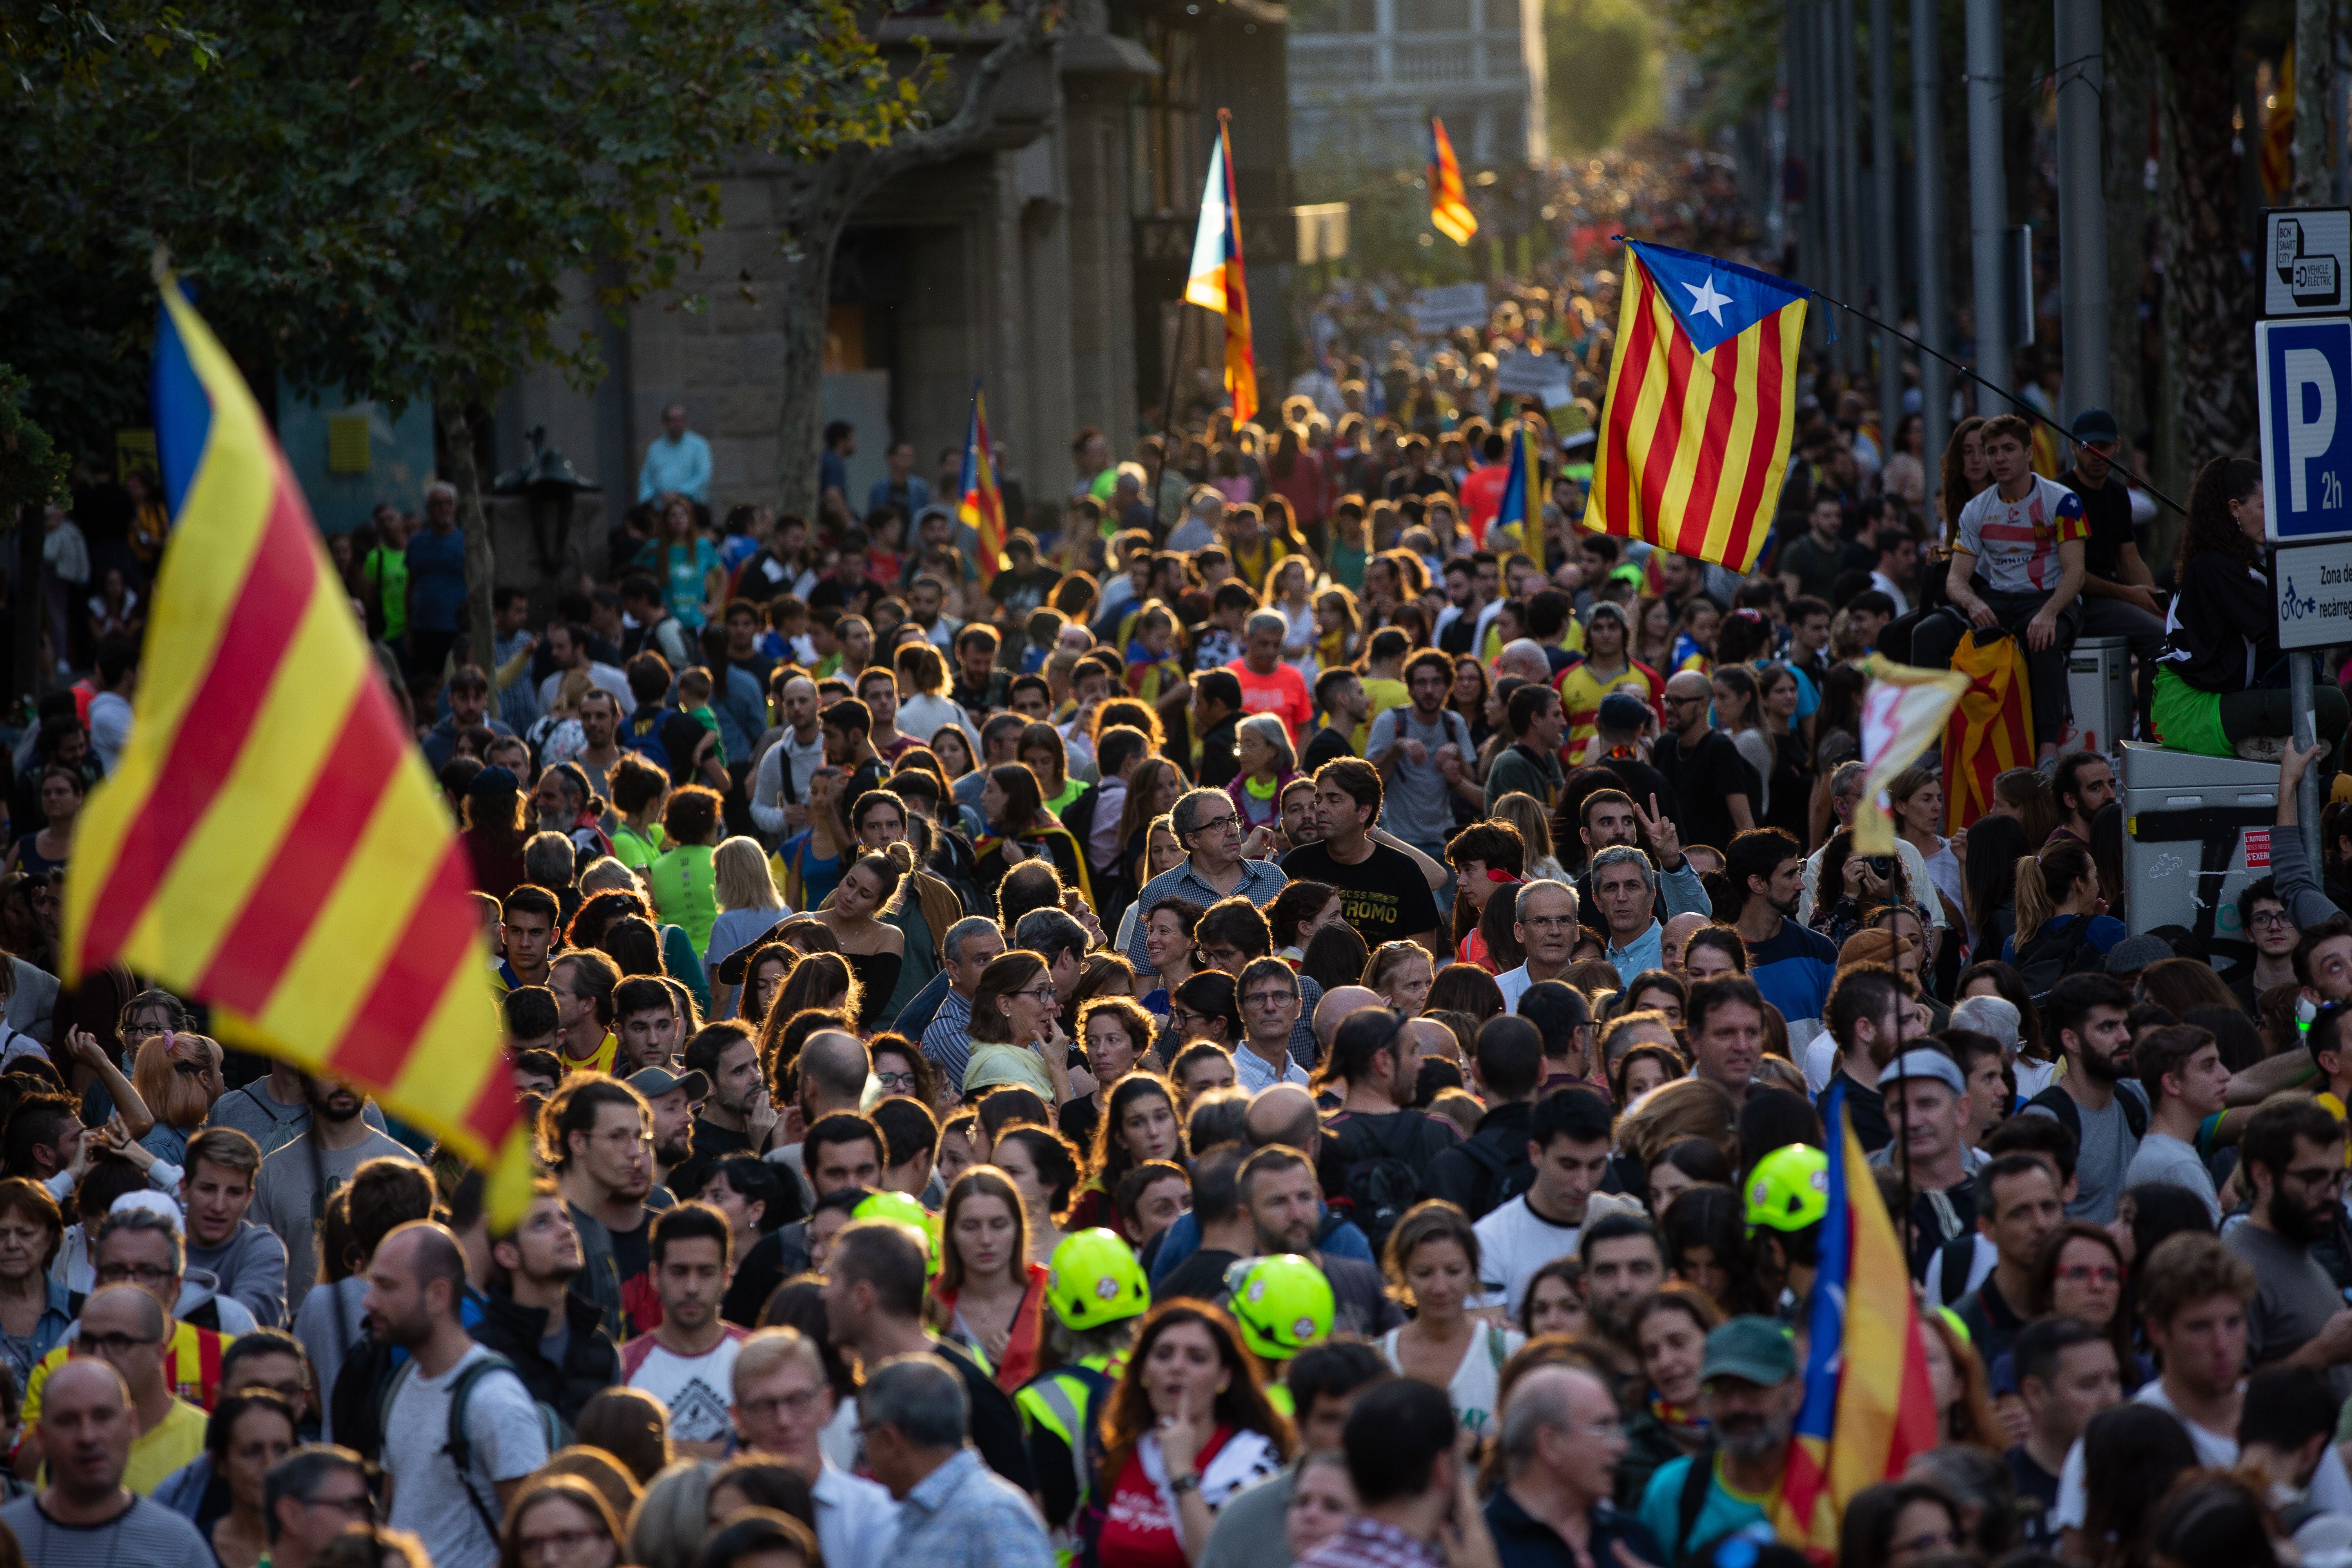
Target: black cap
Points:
(2095, 424)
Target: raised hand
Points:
(1660, 830)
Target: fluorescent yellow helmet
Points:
(1283, 1304)
(1094, 1280)
(1790, 1188)
(905, 1211)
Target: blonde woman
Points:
(1402, 971)
(749, 907)
(1526, 814)
(179, 1077)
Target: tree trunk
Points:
(805, 295)
(2128, 93)
(2208, 296)
(2314, 76)
(482, 566)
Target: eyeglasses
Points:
(133, 1273)
(359, 1504)
(1219, 824)
(794, 1404)
(2323, 1178)
(115, 1344)
(2089, 1274)
(895, 1079)
(559, 1544)
(2269, 918)
(1269, 998)
(1043, 995)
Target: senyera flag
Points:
(1215, 280)
(981, 504)
(1702, 402)
(1903, 713)
(1868, 1405)
(270, 841)
(1449, 203)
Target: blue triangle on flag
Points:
(1715, 300)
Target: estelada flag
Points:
(1449, 203)
(1694, 439)
(1903, 713)
(1522, 501)
(1991, 730)
(270, 841)
(1214, 280)
(980, 503)
(1868, 1404)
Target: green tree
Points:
(1602, 61)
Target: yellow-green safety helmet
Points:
(905, 1211)
(1094, 1280)
(1790, 1188)
(1283, 1304)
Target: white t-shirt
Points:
(2331, 1487)
(502, 1423)
(1514, 1242)
(697, 1389)
(2016, 542)
(1477, 1380)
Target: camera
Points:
(1880, 866)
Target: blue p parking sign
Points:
(2305, 368)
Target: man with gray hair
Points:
(954, 1511)
(1625, 892)
(971, 945)
(1198, 529)
(1268, 684)
(1562, 1437)
(1543, 914)
(548, 860)
(1215, 865)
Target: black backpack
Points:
(1383, 1184)
(2060, 1104)
(1506, 1178)
(2051, 956)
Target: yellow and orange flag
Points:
(1449, 203)
(270, 841)
(1215, 281)
(1903, 714)
(1990, 730)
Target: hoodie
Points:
(250, 1266)
(202, 1303)
(591, 1363)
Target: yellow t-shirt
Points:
(165, 1448)
(1384, 695)
(1580, 693)
(191, 1364)
(600, 1062)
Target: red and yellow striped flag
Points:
(270, 841)
(1449, 203)
(1991, 730)
(1215, 280)
(981, 504)
(1702, 401)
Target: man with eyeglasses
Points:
(311, 1497)
(1562, 1436)
(1710, 782)
(1544, 922)
(1216, 864)
(86, 1516)
(123, 1326)
(782, 1403)
(1268, 993)
(2264, 920)
(2293, 1153)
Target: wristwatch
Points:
(1179, 1484)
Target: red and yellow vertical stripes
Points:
(1990, 730)
(1449, 200)
(270, 842)
(1694, 446)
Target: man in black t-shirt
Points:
(1383, 892)
(2065, 1372)
(1709, 778)
(1340, 697)
(2120, 597)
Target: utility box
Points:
(2099, 693)
(2196, 831)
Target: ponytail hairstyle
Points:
(2211, 526)
(889, 866)
(2046, 882)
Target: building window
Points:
(1432, 15)
(1170, 146)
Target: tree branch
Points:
(974, 116)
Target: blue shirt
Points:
(679, 468)
(832, 474)
(684, 572)
(436, 579)
(1638, 954)
(964, 1515)
(1722, 1512)
(1260, 880)
(918, 496)
(1793, 968)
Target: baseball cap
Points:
(1752, 1348)
(2095, 424)
(1925, 1062)
(1622, 713)
(2134, 953)
(493, 781)
(655, 1082)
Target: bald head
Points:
(834, 1065)
(1336, 1004)
(1523, 657)
(1554, 1398)
(1436, 1040)
(1678, 932)
(87, 1428)
(125, 1308)
(1688, 683)
(84, 1382)
(1283, 1114)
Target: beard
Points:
(2101, 1065)
(2293, 1222)
(1787, 911)
(405, 1332)
(339, 1108)
(1749, 1436)
(674, 1153)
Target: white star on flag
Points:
(1706, 301)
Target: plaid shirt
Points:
(1369, 1543)
(948, 1040)
(963, 1515)
(1260, 880)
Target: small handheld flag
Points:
(1903, 713)
(270, 841)
(1522, 501)
(980, 503)
(1215, 280)
(1702, 402)
(1868, 1404)
(1449, 203)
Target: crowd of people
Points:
(1293, 1022)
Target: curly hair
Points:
(2209, 525)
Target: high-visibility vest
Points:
(1064, 1402)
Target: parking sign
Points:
(2305, 385)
